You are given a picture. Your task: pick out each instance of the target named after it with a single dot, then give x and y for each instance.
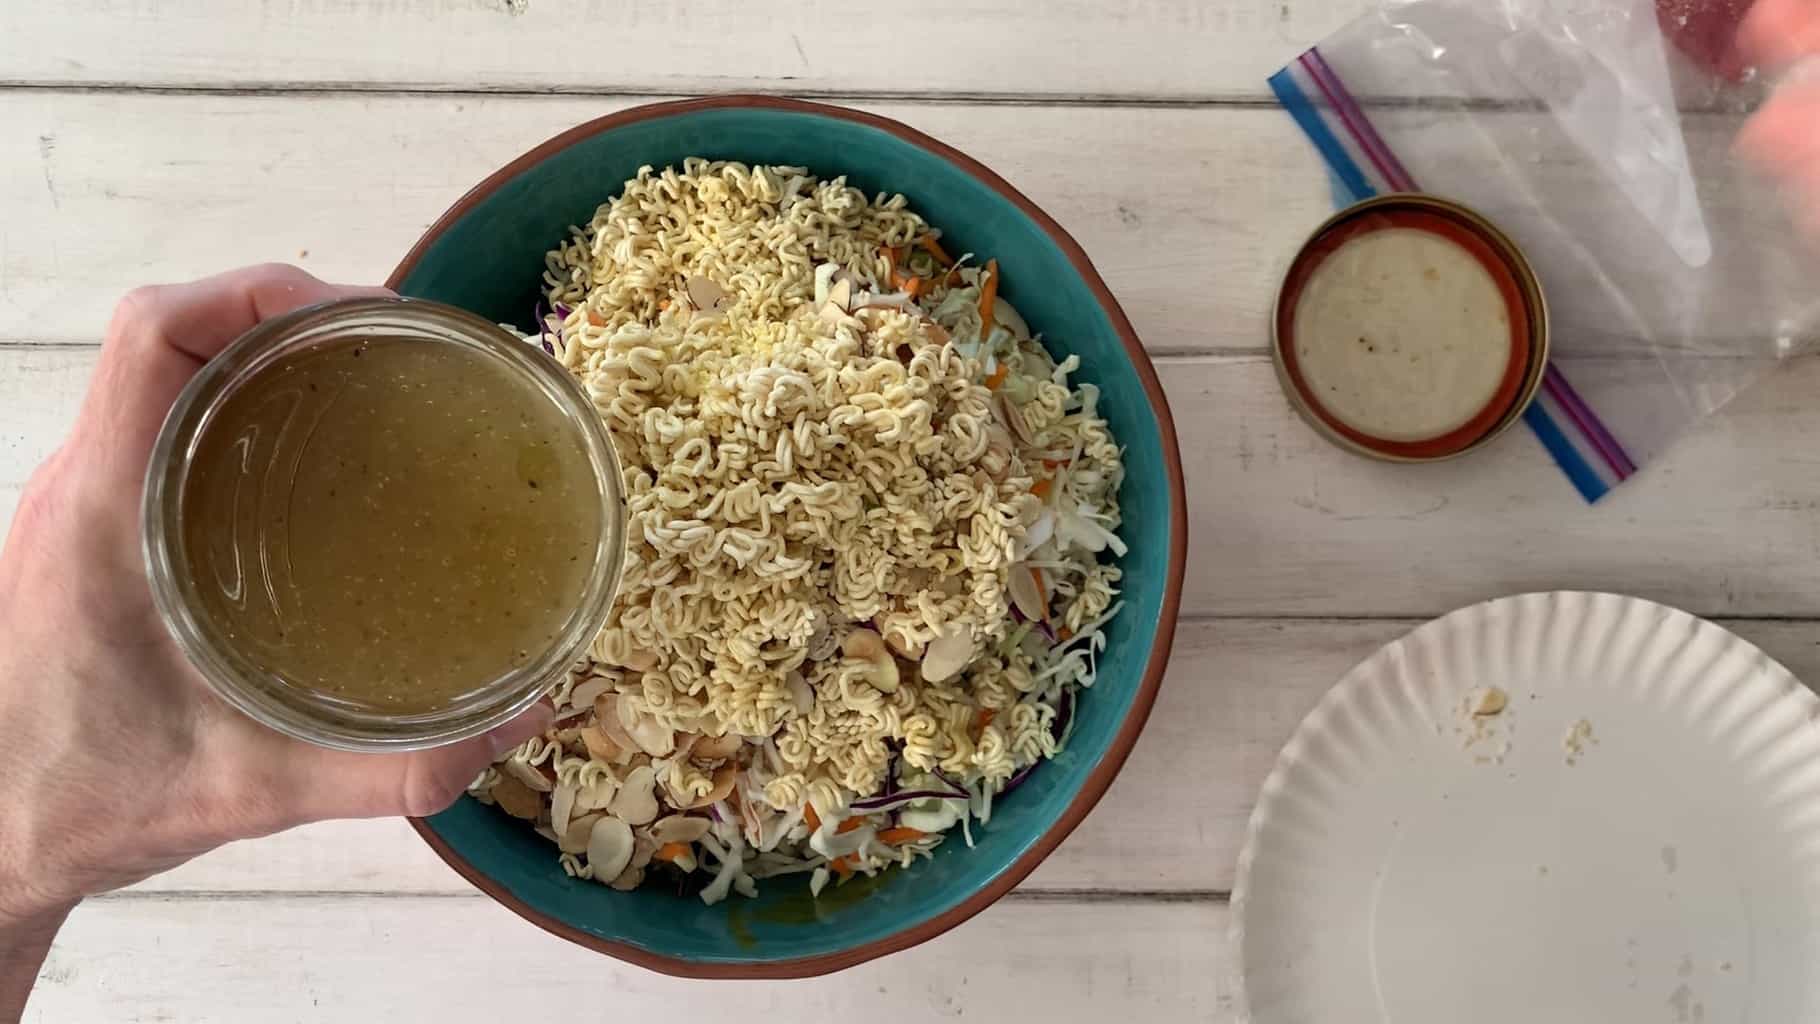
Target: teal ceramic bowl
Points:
(486, 255)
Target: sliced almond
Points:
(596, 795)
(840, 294)
(627, 880)
(600, 748)
(653, 737)
(583, 694)
(885, 678)
(867, 645)
(636, 803)
(862, 643)
(575, 840)
(948, 653)
(904, 647)
(717, 748)
(606, 715)
(1008, 413)
(1027, 593)
(640, 660)
(723, 784)
(706, 295)
(644, 847)
(678, 828)
(530, 776)
(562, 808)
(646, 732)
(802, 695)
(754, 827)
(517, 799)
(609, 848)
(822, 642)
(1488, 702)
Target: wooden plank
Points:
(1187, 213)
(1283, 524)
(354, 959)
(1170, 49)
(1191, 214)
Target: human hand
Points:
(1784, 137)
(119, 763)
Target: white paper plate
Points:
(1411, 863)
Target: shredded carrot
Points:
(1041, 587)
(594, 318)
(915, 287)
(843, 866)
(1064, 633)
(849, 825)
(814, 820)
(901, 834)
(988, 297)
(665, 304)
(934, 248)
(997, 378)
(1041, 487)
(985, 718)
(670, 851)
(1051, 465)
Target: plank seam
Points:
(783, 87)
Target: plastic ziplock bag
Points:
(1602, 142)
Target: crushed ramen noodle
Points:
(866, 511)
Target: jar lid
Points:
(1411, 329)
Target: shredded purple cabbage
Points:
(959, 789)
(895, 800)
(1064, 713)
(543, 329)
(1017, 780)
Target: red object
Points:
(1707, 32)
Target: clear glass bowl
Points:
(311, 715)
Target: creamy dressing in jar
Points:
(1410, 329)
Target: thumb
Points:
(419, 783)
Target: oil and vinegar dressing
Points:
(390, 522)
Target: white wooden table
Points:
(146, 140)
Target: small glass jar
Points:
(311, 714)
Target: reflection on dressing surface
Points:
(1402, 334)
(392, 522)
